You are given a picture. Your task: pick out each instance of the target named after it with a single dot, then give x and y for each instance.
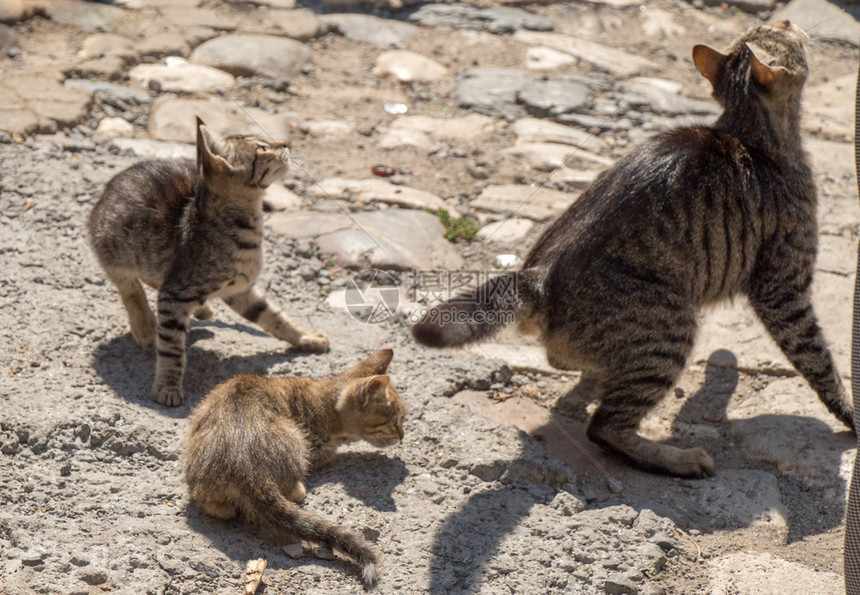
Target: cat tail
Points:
(272, 511)
(479, 314)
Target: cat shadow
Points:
(370, 477)
(469, 538)
(129, 371)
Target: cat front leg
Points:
(173, 317)
(253, 306)
(140, 317)
(786, 311)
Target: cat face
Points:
(246, 159)
(373, 411)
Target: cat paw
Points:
(169, 396)
(693, 463)
(143, 332)
(313, 342)
(204, 312)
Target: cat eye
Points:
(261, 148)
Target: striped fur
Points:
(193, 234)
(692, 217)
(253, 440)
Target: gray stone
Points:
(544, 58)
(12, 11)
(174, 119)
(527, 201)
(153, 149)
(514, 229)
(163, 44)
(108, 67)
(619, 585)
(740, 497)
(183, 77)
(829, 20)
(294, 550)
(300, 24)
(763, 573)
(491, 91)
(100, 45)
(553, 97)
(109, 92)
(90, 17)
(665, 96)
(279, 198)
(31, 103)
(382, 33)
(378, 190)
(405, 66)
(92, 576)
(496, 19)
(551, 156)
(533, 130)
(8, 38)
(398, 239)
(249, 55)
(604, 57)
(399, 137)
(489, 471)
(190, 16)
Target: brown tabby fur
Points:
(692, 217)
(253, 440)
(193, 234)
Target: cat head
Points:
(771, 57)
(369, 406)
(240, 159)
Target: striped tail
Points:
(478, 314)
(267, 507)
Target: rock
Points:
(31, 103)
(92, 576)
(604, 57)
(324, 553)
(576, 178)
(406, 66)
(764, 573)
(378, 190)
(618, 585)
(533, 130)
(271, 3)
(496, 19)
(279, 198)
(554, 97)
(467, 127)
(652, 555)
(192, 16)
(829, 20)
(828, 108)
(523, 200)
(399, 137)
(488, 471)
(109, 67)
(300, 24)
(294, 550)
(100, 45)
(544, 58)
(249, 55)
(491, 91)
(397, 239)
(114, 127)
(328, 128)
(784, 419)
(174, 119)
(89, 17)
(163, 44)
(519, 358)
(665, 96)
(153, 149)
(660, 24)
(514, 229)
(738, 498)
(12, 11)
(115, 95)
(378, 32)
(180, 76)
(551, 156)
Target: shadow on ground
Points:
(470, 538)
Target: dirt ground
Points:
(494, 490)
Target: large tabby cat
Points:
(194, 234)
(692, 217)
(253, 440)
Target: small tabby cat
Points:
(193, 234)
(253, 440)
(692, 217)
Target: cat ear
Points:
(377, 363)
(709, 62)
(373, 387)
(207, 160)
(766, 76)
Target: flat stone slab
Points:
(496, 19)
(829, 20)
(300, 24)
(250, 55)
(406, 66)
(534, 130)
(379, 190)
(534, 203)
(90, 17)
(763, 573)
(192, 16)
(554, 97)
(174, 119)
(663, 95)
(280, 198)
(398, 137)
(183, 77)
(154, 149)
(398, 239)
(514, 229)
(467, 127)
(544, 58)
(382, 33)
(739, 498)
(492, 91)
(551, 156)
(603, 57)
(40, 104)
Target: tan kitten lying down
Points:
(253, 439)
